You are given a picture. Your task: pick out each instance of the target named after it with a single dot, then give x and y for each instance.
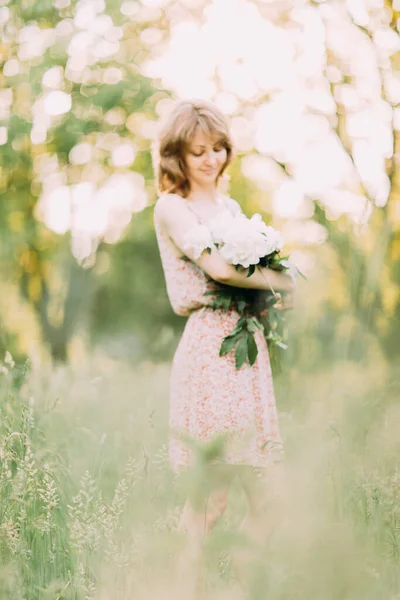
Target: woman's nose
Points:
(210, 157)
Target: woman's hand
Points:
(286, 301)
(286, 291)
(282, 281)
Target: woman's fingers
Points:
(286, 301)
(286, 283)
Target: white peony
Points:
(244, 241)
(219, 225)
(257, 223)
(276, 238)
(197, 240)
(241, 241)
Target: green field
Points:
(90, 506)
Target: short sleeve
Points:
(233, 206)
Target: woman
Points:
(209, 399)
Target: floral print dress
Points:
(209, 399)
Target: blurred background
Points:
(312, 91)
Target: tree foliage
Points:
(81, 88)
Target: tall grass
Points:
(89, 506)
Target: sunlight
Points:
(57, 103)
(128, 348)
(3, 136)
(81, 154)
(241, 69)
(11, 67)
(56, 208)
(313, 168)
(123, 155)
(53, 77)
(288, 200)
(280, 70)
(183, 67)
(264, 171)
(91, 212)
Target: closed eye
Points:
(217, 148)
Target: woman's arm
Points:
(176, 220)
(279, 282)
(262, 279)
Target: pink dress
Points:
(209, 398)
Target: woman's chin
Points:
(205, 180)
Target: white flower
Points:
(244, 241)
(241, 241)
(243, 244)
(9, 360)
(275, 239)
(219, 225)
(257, 223)
(197, 240)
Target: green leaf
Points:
(241, 305)
(252, 268)
(222, 291)
(259, 325)
(241, 322)
(275, 360)
(252, 349)
(228, 344)
(301, 275)
(281, 345)
(293, 268)
(210, 292)
(251, 326)
(226, 302)
(241, 352)
(218, 302)
(276, 264)
(238, 329)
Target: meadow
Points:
(89, 504)
(90, 507)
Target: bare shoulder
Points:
(167, 206)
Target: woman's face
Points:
(204, 159)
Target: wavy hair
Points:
(186, 119)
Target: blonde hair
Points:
(188, 117)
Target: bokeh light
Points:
(311, 89)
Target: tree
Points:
(314, 103)
(70, 77)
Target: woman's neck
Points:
(202, 194)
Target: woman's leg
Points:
(202, 510)
(264, 491)
(197, 520)
(205, 505)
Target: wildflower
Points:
(8, 359)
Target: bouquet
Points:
(246, 244)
